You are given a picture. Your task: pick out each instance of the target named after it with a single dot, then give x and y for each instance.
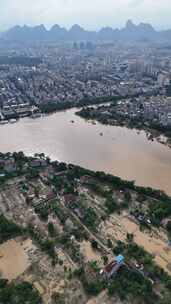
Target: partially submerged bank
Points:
(71, 224)
(107, 114)
(12, 115)
(52, 107)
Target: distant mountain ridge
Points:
(130, 32)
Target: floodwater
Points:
(13, 260)
(88, 252)
(115, 150)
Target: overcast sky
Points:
(92, 14)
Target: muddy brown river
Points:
(116, 150)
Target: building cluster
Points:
(8, 164)
(69, 74)
(153, 109)
(15, 111)
(111, 269)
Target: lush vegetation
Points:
(90, 218)
(45, 244)
(128, 283)
(131, 283)
(52, 106)
(132, 251)
(111, 205)
(59, 211)
(21, 293)
(8, 229)
(92, 285)
(168, 227)
(159, 203)
(42, 211)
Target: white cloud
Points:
(91, 14)
(133, 3)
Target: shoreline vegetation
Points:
(52, 107)
(153, 130)
(20, 160)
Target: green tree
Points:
(51, 229)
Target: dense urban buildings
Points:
(47, 75)
(70, 235)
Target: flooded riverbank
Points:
(67, 137)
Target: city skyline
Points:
(90, 16)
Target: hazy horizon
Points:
(92, 15)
